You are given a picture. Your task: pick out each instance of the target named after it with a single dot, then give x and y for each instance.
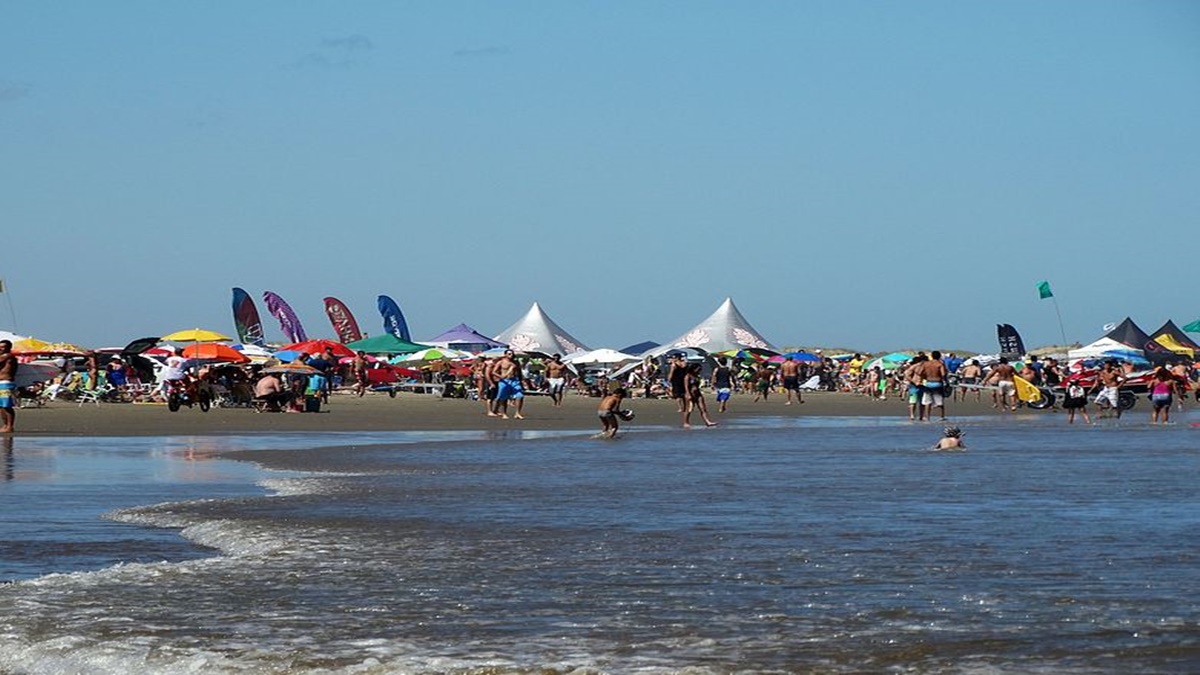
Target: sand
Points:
(422, 412)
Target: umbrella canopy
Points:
(210, 351)
(293, 368)
(29, 344)
(318, 346)
(36, 346)
(385, 343)
(599, 356)
(795, 356)
(30, 373)
(255, 353)
(888, 361)
(432, 354)
(196, 335)
(742, 355)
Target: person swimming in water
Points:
(952, 440)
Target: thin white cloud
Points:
(336, 52)
(11, 91)
(491, 50)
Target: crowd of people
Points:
(924, 381)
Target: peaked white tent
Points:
(1104, 347)
(725, 329)
(537, 332)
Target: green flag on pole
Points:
(1044, 290)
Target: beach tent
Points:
(1128, 333)
(463, 338)
(1171, 337)
(1105, 347)
(385, 343)
(536, 332)
(725, 329)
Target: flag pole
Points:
(1060, 322)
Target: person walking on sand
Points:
(359, 368)
(970, 375)
(8, 387)
(481, 376)
(507, 375)
(609, 412)
(789, 370)
(556, 380)
(912, 380)
(675, 377)
(1006, 387)
(722, 383)
(762, 382)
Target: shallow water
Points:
(811, 545)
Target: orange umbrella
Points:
(211, 351)
(318, 346)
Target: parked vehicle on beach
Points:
(1135, 384)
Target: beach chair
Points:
(102, 393)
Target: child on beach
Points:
(610, 412)
(1074, 400)
(952, 440)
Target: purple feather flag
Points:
(289, 323)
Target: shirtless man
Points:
(789, 370)
(556, 379)
(1002, 376)
(933, 386)
(270, 390)
(912, 380)
(359, 368)
(8, 387)
(1109, 381)
(506, 373)
(970, 374)
(675, 377)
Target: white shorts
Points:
(1109, 396)
(1007, 388)
(556, 384)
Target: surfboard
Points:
(1026, 391)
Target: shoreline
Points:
(423, 412)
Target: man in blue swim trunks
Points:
(8, 387)
(507, 374)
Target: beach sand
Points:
(422, 412)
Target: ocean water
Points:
(767, 546)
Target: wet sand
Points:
(422, 412)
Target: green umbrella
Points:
(385, 344)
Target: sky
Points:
(869, 175)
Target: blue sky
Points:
(874, 175)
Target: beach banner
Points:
(393, 319)
(344, 325)
(245, 319)
(1010, 340)
(289, 323)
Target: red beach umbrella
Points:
(211, 351)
